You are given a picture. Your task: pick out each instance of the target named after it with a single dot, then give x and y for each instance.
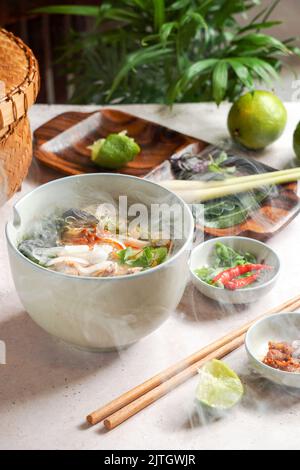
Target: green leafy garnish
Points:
(233, 210)
(125, 255)
(216, 162)
(146, 258)
(206, 274)
(224, 257)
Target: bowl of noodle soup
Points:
(94, 277)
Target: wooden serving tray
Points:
(62, 142)
(272, 215)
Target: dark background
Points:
(43, 34)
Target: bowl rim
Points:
(188, 240)
(260, 363)
(246, 289)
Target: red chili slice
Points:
(240, 283)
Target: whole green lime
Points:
(296, 141)
(257, 119)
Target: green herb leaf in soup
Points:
(146, 258)
(80, 242)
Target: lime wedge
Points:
(114, 151)
(219, 386)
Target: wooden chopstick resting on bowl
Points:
(129, 403)
(192, 191)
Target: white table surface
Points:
(47, 387)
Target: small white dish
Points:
(281, 327)
(201, 256)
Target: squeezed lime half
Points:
(115, 151)
(219, 386)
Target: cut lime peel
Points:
(95, 148)
(219, 386)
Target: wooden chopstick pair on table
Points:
(128, 404)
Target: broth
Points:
(81, 243)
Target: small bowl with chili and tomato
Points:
(234, 270)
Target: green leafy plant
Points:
(168, 51)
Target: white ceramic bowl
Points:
(97, 313)
(201, 256)
(279, 327)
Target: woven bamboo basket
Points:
(19, 86)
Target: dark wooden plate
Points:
(62, 142)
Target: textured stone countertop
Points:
(47, 387)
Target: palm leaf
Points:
(259, 26)
(179, 4)
(261, 68)
(189, 76)
(166, 29)
(170, 50)
(194, 16)
(204, 6)
(241, 72)
(139, 3)
(81, 10)
(143, 56)
(219, 81)
(261, 41)
(117, 14)
(159, 14)
(270, 10)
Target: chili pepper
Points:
(88, 236)
(117, 244)
(231, 273)
(242, 282)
